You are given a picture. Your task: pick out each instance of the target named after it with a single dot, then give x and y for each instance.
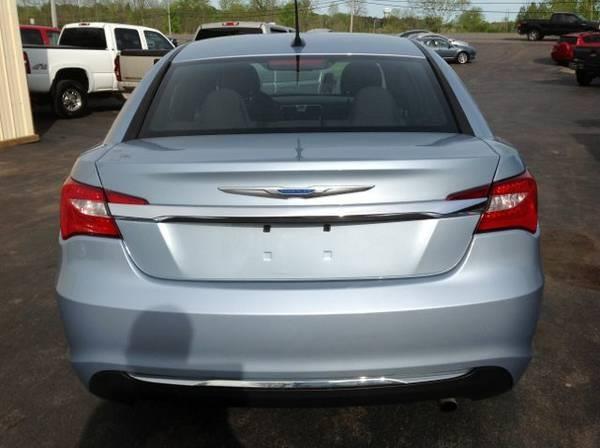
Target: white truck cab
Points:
(83, 62)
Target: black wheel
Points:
(583, 78)
(462, 57)
(69, 99)
(534, 34)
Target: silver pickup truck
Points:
(132, 65)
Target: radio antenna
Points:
(297, 42)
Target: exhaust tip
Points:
(448, 404)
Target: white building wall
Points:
(16, 122)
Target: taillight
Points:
(512, 204)
(26, 62)
(84, 210)
(118, 68)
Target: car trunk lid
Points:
(298, 206)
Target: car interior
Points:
(322, 94)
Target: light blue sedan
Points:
(332, 219)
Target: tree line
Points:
(186, 15)
(589, 9)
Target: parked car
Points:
(39, 35)
(448, 50)
(83, 64)
(559, 23)
(363, 234)
(421, 36)
(586, 61)
(409, 33)
(234, 28)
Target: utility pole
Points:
(53, 13)
(352, 8)
(169, 15)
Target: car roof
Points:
(432, 35)
(234, 24)
(39, 27)
(315, 43)
(103, 24)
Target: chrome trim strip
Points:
(300, 213)
(312, 191)
(362, 381)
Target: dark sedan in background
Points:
(449, 50)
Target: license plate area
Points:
(206, 251)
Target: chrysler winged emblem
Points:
(296, 192)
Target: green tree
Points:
(471, 20)
(441, 11)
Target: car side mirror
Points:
(174, 41)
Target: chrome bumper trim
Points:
(362, 381)
(300, 213)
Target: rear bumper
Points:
(477, 384)
(481, 314)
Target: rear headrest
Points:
(240, 77)
(223, 109)
(358, 75)
(375, 107)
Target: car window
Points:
(209, 33)
(571, 19)
(157, 42)
(568, 39)
(84, 37)
(53, 37)
(593, 38)
(311, 94)
(31, 37)
(128, 39)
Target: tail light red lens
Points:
(118, 68)
(84, 210)
(26, 62)
(512, 204)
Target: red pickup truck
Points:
(39, 35)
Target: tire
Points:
(583, 78)
(534, 34)
(69, 99)
(462, 57)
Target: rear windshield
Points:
(592, 38)
(31, 37)
(568, 39)
(84, 37)
(299, 94)
(53, 37)
(209, 33)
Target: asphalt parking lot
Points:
(529, 101)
